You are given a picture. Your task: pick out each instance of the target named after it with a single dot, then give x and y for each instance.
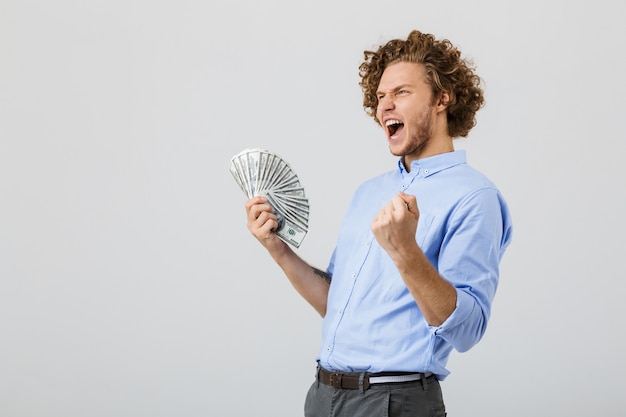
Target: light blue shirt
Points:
(372, 322)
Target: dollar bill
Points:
(262, 172)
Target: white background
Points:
(129, 284)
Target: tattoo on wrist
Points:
(323, 274)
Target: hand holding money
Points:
(263, 223)
(260, 173)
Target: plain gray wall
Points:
(129, 284)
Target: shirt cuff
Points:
(464, 306)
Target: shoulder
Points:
(383, 180)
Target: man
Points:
(416, 264)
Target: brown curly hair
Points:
(445, 69)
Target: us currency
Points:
(291, 233)
(261, 172)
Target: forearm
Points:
(311, 283)
(435, 296)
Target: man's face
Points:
(405, 108)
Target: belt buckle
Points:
(335, 380)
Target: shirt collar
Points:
(433, 164)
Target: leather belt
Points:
(354, 380)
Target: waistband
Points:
(364, 380)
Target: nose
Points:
(386, 103)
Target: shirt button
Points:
(328, 348)
(353, 275)
(425, 171)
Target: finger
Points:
(387, 209)
(254, 201)
(380, 216)
(410, 202)
(397, 203)
(387, 212)
(265, 218)
(263, 226)
(267, 228)
(255, 210)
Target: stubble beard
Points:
(418, 142)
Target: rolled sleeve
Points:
(478, 233)
(465, 326)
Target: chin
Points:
(397, 149)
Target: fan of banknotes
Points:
(261, 172)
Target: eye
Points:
(403, 92)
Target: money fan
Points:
(264, 173)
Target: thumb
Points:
(410, 201)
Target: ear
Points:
(444, 101)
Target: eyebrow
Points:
(396, 88)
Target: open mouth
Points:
(394, 127)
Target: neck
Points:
(434, 146)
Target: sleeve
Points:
(478, 232)
(331, 264)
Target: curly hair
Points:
(445, 69)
